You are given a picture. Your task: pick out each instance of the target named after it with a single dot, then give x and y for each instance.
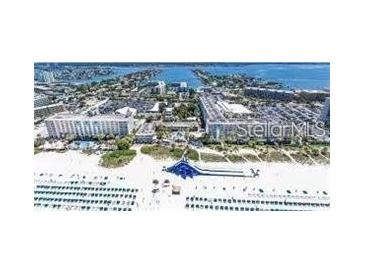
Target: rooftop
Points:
(81, 117)
(49, 106)
(146, 128)
(126, 111)
(234, 108)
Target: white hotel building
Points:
(83, 126)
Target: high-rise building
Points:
(179, 86)
(84, 126)
(159, 87)
(45, 76)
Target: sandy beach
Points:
(275, 178)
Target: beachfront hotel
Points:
(84, 126)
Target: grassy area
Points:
(37, 150)
(235, 158)
(176, 153)
(162, 152)
(301, 158)
(251, 157)
(117, 158)
(325, 151)
(320, 159)
(192, 155)
(210, 157)
(274, 156)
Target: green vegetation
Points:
(156, 151)
(192, 154)
(251, 157)
(301, 157)
(325, 152)
(37, 150)
(37, 143)
(176, 153)
(274, 156)
(122, 156)
(163, 152)
(206, 140)
(185, 111)
(320, 159)
(235, 158)
(210, 157)
(302, 151)
(117, 158)
(166, 97)
(162, 132)
(125, 143)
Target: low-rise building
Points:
(146, 134)
(168, 114)
(41, 100)
(178, 137)
(48, 110)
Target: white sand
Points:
(275, 178)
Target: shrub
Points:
(117, 158)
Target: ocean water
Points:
(301, 76)
(179, 74)
(292, 75)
